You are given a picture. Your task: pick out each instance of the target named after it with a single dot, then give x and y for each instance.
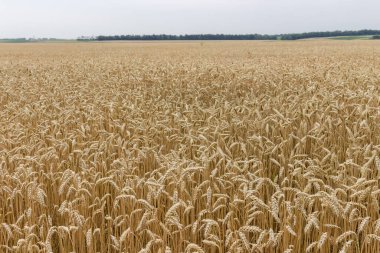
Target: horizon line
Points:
(183, 35)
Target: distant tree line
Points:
(289, 36)
(25, 40)
(376, 37)
(14, 40)
(189, 37)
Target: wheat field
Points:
(190, 147)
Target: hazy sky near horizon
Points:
(73, 18)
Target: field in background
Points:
(190, 147)
(364, 37)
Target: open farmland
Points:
(190, 147)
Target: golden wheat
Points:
(178, 147)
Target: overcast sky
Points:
(73, 18)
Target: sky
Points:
(74, 18)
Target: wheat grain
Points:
(168, 147)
